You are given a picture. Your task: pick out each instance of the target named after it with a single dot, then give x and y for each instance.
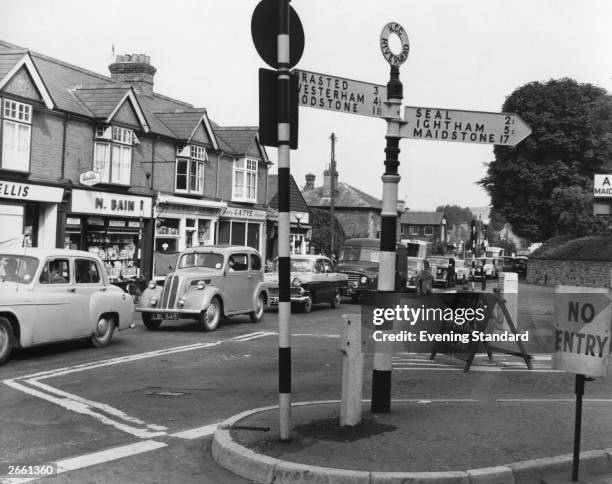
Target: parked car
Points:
(477, 270)
(49, 295)
(420, 279)
(209, 282)
(443, 270)
(313, 280)
(359, 261)
(462, 270)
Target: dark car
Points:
(516, 264)
(477, 272)
(359, 261)
(420, 279)
(443, 271)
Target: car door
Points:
(54, 297)
(237, 283)
(88, 281)
(332, 279)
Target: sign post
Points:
(581, 343)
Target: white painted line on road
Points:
(100, 406)
(474, 368)
(553, 400)
(196, 433)
(83, 409)
(95, 458)
(251, 336)
(317, 335)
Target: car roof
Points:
(219, 248)
(307, 256)
(44, 252)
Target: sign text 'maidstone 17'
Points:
(463, 126)
(323, 91)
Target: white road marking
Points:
(317, 335)
(553, 400)
(196, 433)
(88, 460)
(251, 336)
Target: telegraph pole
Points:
(332, 184)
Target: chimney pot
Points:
(135, 70)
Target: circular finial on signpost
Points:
(392, 58)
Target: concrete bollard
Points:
(352, 370)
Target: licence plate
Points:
(273, 301)
(172, 316)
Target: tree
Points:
(455, 213)
(541, 186)
(321, 232)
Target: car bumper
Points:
(187, 312)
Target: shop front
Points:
(243, 226)
(28, 214)
(299, 233)
(181, 223)
(115, 227)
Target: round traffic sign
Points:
(264, 30)
(387, 31)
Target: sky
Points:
(464, 55)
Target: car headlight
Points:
(153, 300)
(363, 280)
(296, 282)
(200, 285)
(152, 284)
(181, 301)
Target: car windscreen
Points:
(364, 254)
(17, 268)
(298, 265)
(209, 260)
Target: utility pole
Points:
(332, 186)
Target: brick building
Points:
(106, 164)
(428, 226)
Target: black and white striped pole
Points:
(381, 374)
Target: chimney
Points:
(135, 70)
(327, 182)
(310, 178)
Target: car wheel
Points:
(307, 305)
(210, 317)
(104, 331)
(419, 288)
(7, 339)
(257, 315)
(149, 322)
(335, 302)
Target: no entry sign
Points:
(581, 335)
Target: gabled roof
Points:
(11, 61)
(298, 204)
(239, 140)
(347, 196)
(184, 123)
(422, 218)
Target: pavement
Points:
(416, 443)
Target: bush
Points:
(595, 248)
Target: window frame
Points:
(197, 158)
(247, 167)
(22, 117)
(118, 140)
(428, 230)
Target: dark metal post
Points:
(284, 208)
(578, 424)
(381, 374)
(332, 185)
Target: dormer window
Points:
(245, 180)
(16, 134)
(190, 169)
(113, 154)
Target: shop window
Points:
(86, 271)
(245, 180)
(238, 233)
(223, 236)
(16, 134)
(113, 157)
(253, 236)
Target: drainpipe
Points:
(65, 129)
(154, 144)
(219, 155)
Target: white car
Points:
(49, 295)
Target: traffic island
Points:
(437, 441)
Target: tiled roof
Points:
(8, 59)
(422, 218)
(239, 138)
(181, 122)
(298, 204)
(347, 196)
(101, 101)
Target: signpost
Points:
(463, 126)
(338, 94)
(581, 343)
(602, 193)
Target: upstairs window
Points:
(16, 135)
(113, 154)
(245, 180)
(190, 169)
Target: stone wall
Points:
(569, 272)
